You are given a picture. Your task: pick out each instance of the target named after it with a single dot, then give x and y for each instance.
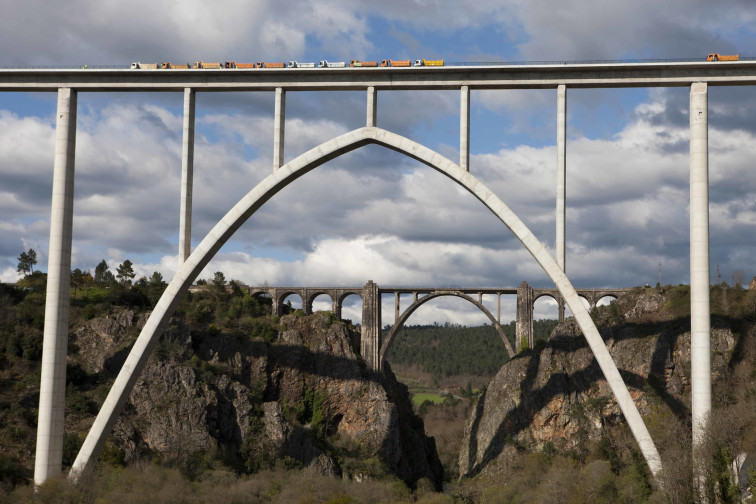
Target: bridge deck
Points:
(591, 75)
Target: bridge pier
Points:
(187, 176)
(370, 341)
(464, 128)
(524, 321)
(279, 120)
(372, 107)
(561, 192)
(52, 392)
(700, 319)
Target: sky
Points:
(373, 214)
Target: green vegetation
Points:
(607, 470)
(452, 349)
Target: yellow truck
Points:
(722, 57)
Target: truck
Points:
(297, 64)
(722, 57)
(395, 63)
(327, 64)
(263, 64)
(144, 66)
(357, 63)
(425, 62)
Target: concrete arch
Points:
(271, 185)
(398, 324)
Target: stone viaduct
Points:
(374, 348)
(697, 76)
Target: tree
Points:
(219, 280)
(125, 272)
(100, 276)
(77, 279)
(155, 287)
(26, 262)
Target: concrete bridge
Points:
(697, 76)
(374, 348)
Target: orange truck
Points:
(722, 57)
(263, 64)
(395, 63)
(356, 63)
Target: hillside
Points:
(226, 388)
(550, 407)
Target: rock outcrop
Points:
(302, 397)
(557, 395)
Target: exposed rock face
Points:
(103, 340)
(557, 394)
(271, 400)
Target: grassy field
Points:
(419, 398)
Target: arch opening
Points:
(351, 308)
(320, 301)
(446, 339)
(390, 337)
(606, 300)
(545, 317)
(263, 192)
(289, 302)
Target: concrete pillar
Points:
(279, 118)
(700, 323)
(498, 308)
(414, 297)
(187, 175)
(336, 306)
(52, 390)
(464, 128)
(560, 304)
(524, 321)
(480, 297)
(372, 107)
(561, 174)
(396, 307)
(370, 343)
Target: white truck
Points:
(327, 64)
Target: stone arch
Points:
(399, 323)
(282, 295)
(341, 297)
(264, 191)
(603, 295)
(311, 299)
(545, 294)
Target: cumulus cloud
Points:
(373, 213)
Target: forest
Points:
(451, 349)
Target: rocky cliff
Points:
(554, 397)
(298, 396)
